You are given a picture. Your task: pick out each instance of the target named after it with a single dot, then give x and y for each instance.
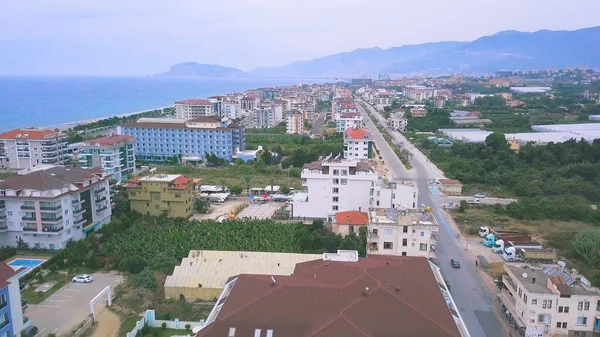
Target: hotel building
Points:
(12, 307)
(26, 148)
(115, 154)
(193, 108)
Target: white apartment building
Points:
(193, 108)
(48, 207)
(336, 185)
(358, 144)
(397, 122)
(549, 301)
(343, 121)
(231, 109)
(294, 123)
(264, 117)
(115, 154)
(396, 231)
(27, 148)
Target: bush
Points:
(164, 325)
(187, 326)
(134, 264)
(143, 279)
(236, 189)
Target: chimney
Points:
(360, 209)
(533, 280)
(366, 291)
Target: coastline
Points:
(68, 125)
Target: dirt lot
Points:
(216, 210)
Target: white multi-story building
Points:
(193, 108)
(358, 143)
(336, 185)
(264, 116)
(115, 154)
(294, 122)
(398, 122)
(396, 231)
(231, 109)
(343, 121)
(549, 301)
(27, 148)
(48, 207)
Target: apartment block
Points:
(264, 116)
(115, 154)
(231, 109)
(358, 143)
(294, 123)
(397, 122)
(26, 148)
(193, 108)
(160, 139)
(48, 207)
(12, 320)
(172, 195)
(343, 121)
(549, 301)
(396, 231)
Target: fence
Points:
(149, 319)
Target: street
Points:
(318, 125)
(472, 297)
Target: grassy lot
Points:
(160, 332)
(234, 175)
(34, 297)
(127, 324)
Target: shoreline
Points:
(69, 125)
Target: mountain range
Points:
(513, 50)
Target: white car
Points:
(83, 278)
(479, 195)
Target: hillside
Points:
(193, 69)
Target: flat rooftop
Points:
(159, 178)
(525, 274)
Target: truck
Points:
(501, 244)
(529, 255)
(491, 239)
(485, 230)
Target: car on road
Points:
(479, 196)
(83, 278)
(454, 263)
(30, 331)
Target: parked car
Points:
(479, 195)
(83, 278)
(30, 331)
(454, 263)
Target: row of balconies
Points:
(45, 229)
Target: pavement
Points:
(69, 306)
(473, 299)
(260, 211)
(482, 201)
(318, 125)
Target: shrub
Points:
(164, 325)
(187, 326)
(236, 189)
(134, 264)
(143, 279)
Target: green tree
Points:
(236, 189)
(317, 225)
(201, 206)
(497, 142)
(284, 190)
(587, 247)
(247, 180)
(144, 279)
(134, 264)
(464, 206)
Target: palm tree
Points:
(223, 184)
(271, 182)
(247, 179)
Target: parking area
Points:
(68, 306)
(260, 211)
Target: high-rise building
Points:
(12, 320)
(115, 154)
(172, 195)
(294, 122)
(49, 206)
(193, 108)
(26, 148)
(358, 143)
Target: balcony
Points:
(2, 217)
(49, 161)
(52, 229)
(4, 324)
(50, 208)
(49, 155)
(55, 219)
(80, 221)
(49, 148)
(24, 304)
(76, 201)
(507, 281)
(101, 209)
(28, 218)
(3, 305)
(374, 236)
(21, 155)
(49, 143)
(3, 228)
(100, 190)
(31, 207)
(78, 211)
(2, 206)
(25, 319)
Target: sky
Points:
(144, 37)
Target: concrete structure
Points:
(399, 232)
(349, 222)
(160, 139)
(115, 154)
(343, 121)
(530, 90)
(397, 122)
(11, 306)
(172, 195)
(294, 122)
(203, 274)
(26, 148)
(263, 116)
(358, 144)
(193, 108)
(549, 301)
(337, 296)
(419, 92)
(418, 112)
(47, 208)
(451, 186)
(231, 109)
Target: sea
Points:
(54, 101)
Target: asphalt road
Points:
(472, 297)
(318, 125)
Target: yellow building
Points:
(169, 194)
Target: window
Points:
(335, 199)
(564, 325)
(558, 325)
(566, 310)
(579, 306)
(534, 302)
(586, 306)
(547, 304)
(525, 298)
(422, 233)
(9, 212)
(423, 247)
(544, 318)
(336, 190)
(344, 181)
(344, 172)
(389, 231)
(404, 229)
(334, 208)
(404, 242)
(336, 172)
(403, 253)
(336, 181)
(560, 309)
(388, 245)
(581, 321)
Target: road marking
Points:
(55, 301)
(38, 334)
(61, 295)
(72, 289)
(48, 306)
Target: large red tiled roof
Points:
(36, 134)
(358, 133)
(379, 296)
(6, 272)
(351, 218)
(349, 106)
(109, 140)
(194, 101)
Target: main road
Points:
(473, 299)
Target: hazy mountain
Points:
(193, 69)
(505, 50)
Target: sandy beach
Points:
(69, 125)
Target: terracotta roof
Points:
(378, 296)
(450, 182)
(352, 133)
(205, 119)
(363, 166)
(351, 218)
(110, 140)
(182, 182)
(169, 126)
(52, 178)
(6, 272)
(194, 101)
(37, 134)
(348, 106)
(350, 115)
(315, 165)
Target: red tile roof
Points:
(194, 101)
(350, 115)
(182, 182)
(351, 218)
(348, 106)
(36, 134)
(379, 296)
(110, 140)
(6, 272)
(450, 182)
(352, 133)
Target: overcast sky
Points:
(140, 37)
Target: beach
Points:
(70, 125)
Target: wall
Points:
(149, 319)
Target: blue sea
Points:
(52, 101)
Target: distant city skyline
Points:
(133, 38)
